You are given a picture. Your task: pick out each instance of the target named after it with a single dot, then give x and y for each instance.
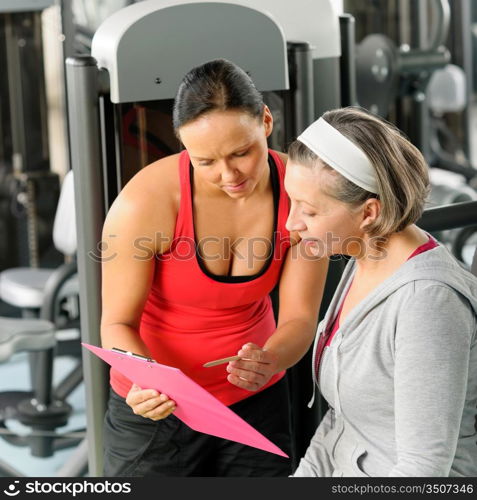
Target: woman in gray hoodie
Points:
(396, 353)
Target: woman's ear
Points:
(371, 211)
(267, 120)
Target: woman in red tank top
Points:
(199, 242)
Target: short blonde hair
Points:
(401, 170)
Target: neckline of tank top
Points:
(274, 178)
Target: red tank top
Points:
(191, 317)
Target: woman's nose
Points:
(294, 223)
(228, 173)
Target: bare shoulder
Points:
(156, 181)
(149, 202)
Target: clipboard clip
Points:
(133, 355)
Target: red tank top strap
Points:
(278, 162)
(283, 236)
(184, 224)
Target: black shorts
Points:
(137, 446)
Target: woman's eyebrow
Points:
(200, 158)
(306, 203)
(244, 146)
(240, 148)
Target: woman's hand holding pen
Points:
(255, 368)
(149, 403)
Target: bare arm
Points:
(300, 293)
(126, 277)
(144, 208)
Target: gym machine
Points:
(29, 194)
(414, 67)
(28, 189)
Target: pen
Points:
(221, 361)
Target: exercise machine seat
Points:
(18, 334)
(23, 287)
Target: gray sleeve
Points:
(316, 462)
(432, 351)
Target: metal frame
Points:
(25, 5)
(461, 34)
(83, 92)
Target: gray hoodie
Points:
(400, 377)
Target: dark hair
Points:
(215, 85)
(401, 170)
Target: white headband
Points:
(341, 154)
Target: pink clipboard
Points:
(194, 405)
